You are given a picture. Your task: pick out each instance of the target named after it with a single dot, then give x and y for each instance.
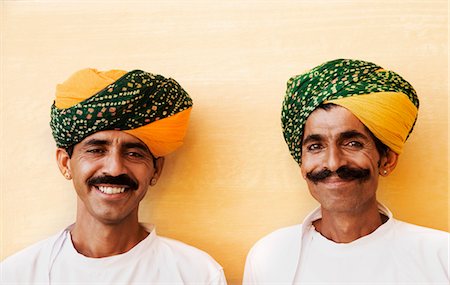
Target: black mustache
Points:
(343, 172)
(122, 179)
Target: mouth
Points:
(113, 185)
(336, 181)
(111, 190)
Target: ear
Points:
(158, 165)
(63, 159)
(388, 163)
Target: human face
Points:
(335, 139)
(111, 172)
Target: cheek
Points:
(370, 160)
(303, 170)
(83, 170)
(309, 163)
(145, 174)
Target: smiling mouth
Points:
(111, 185)
(111, 189)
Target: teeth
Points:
(111, 190)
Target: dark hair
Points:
(381, 147)
(69, 150)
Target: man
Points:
(345, 123)
(112, 130)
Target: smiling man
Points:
(112, 130)
(345, 123)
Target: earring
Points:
(67, 175)
(385, 172)
(153, 181)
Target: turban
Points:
(381, 99)
(148, 106)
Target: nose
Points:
(114, 164)
(334, 158)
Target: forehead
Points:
(335, 120)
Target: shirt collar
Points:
(317, 214)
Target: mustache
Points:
(121, 179)
(343, 172)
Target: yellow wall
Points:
(234, 180)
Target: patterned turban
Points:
(382, 100)
(148, 106)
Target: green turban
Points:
(382, 100)
(148, 106)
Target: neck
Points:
(345, 227)
(96, 239)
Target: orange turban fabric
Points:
(381, 99)
(150, 107)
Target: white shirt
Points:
(395, 253)
(155, 260)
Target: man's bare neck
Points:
(347, 227)
(95, 239)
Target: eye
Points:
(355, 144)
(314, 147)
(95, 150)
(134, 154)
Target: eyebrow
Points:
(353, 134)
(312, 138)
(99, 142)
(96, 142)
(137, 145)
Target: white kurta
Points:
(155, 260)
(395, 253)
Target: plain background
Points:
(233, 181)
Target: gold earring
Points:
(385, 172)
(153, 181)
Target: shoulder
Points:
(428, 248)
(185, 252)
(27, 255)
(418, 234)
(28, 264)
(277, 242)
(191, 261)
(274, 257)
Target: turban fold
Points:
(148, 106)
(382, 100)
